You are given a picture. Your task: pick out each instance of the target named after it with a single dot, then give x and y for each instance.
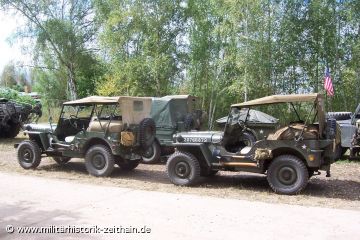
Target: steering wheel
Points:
(73, 122)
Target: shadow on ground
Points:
(318, 186)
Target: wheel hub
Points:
(182, 169)
(27, 156)
(98, 161)
(287, 175)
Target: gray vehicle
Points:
(289, 155)
(172, 114)
(14, 114)
(350, 136)
(103, 130)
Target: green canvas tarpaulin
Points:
(169, 110)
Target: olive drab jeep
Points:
(172, 114)
(103, 130)
(289, 155)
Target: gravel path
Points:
(40, 202)
(341, 190)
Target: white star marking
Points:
(303, 146)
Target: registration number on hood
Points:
(195, 139)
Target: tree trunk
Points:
(71, 83)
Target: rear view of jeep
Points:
(172, 114)
(301, 144)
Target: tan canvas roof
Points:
(280, 99)
(102, 100)
(179, 96)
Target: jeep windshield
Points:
(295, 108)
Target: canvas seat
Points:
(294, 130)
(101, 126)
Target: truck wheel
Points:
(152, 154)
(183, 169)
(247, 138)
(29, 154)
(61, 160)
(13, 131)
(99, 161)
(128, 165)
(189, 122)
(340, 115)
(287, 174)
(147, 131)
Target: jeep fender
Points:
(94, 141)
(199, 150)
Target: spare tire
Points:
(147, 131)
(189, 122)
(339, 115)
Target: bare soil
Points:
(341, 190)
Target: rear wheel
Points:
(128, 165)
(287, 174)
(99, 161)
(29, 154)
(61, 160)
(152, 154)
(183, 169)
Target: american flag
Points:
(328, 83)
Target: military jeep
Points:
(350, 132)
(103, 130)
(172, 114)
(289, 155)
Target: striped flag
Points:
(328, 83)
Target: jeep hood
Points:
(41, 127)
(198, 137)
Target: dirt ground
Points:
(341, 190)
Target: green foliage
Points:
(223, 51)
(13, 95)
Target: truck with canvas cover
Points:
(171, 114)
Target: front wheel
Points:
(183, 169)
(61, 160)
(152, 154)
(29, 154)
(287, 174)
(99, 161)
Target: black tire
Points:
(12, 131)
(248, 139)
(205, 172)
(99, 161)
(340, 115)
(287, 174)
(62, 160)
(189, 122)
(128, 165)
(147, 131)
(29, 154)
(153, 154)
(183, 169)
